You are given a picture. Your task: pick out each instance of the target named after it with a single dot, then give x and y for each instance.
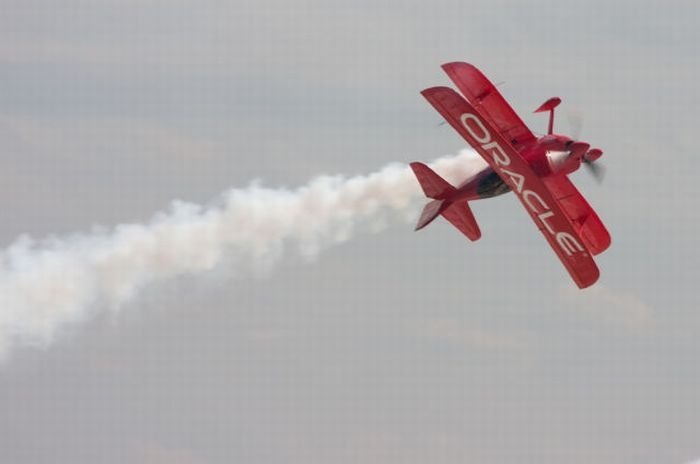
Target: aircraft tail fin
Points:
(433, 185)
(459, 214)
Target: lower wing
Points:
(582, 217)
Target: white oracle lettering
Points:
(543, 219)
(485, 137)
(528, 195)
(497, 154)
(568, 243)
(517, 179)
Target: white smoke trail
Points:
(45, 285)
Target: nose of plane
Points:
(578, 149)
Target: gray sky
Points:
(394, 347)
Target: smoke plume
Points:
(51, 283)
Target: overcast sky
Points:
(394, 347)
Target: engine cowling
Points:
(567, 161)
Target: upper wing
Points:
(489, 103)
(582, 217)
(516, 172)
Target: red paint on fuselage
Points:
(487, 184)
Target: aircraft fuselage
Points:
(548, 155)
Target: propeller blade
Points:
(578, 149)
(588, 157)
(596, 169)
(575, 123)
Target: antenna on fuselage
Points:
(549, 105)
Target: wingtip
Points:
(457, 64)
(589, 279)
(436, 88)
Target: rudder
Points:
(433, 185)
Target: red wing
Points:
(582, 217)
(516, 172)
(488, 101)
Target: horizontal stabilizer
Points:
(430, 212)
(461, 216)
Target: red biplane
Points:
(535, 169)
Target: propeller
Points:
(596, 169)
(576, 124)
